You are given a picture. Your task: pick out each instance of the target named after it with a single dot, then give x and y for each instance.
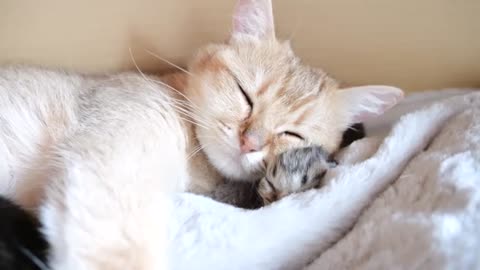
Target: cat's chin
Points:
(236, 166)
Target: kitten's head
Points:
(293, 171)
(256, 99)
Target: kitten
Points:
(106, 154)
(22, 246)
(293, 171)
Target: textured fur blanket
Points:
(430, 217)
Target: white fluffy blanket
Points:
(430, 217)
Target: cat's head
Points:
(255, 99)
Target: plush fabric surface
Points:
(430, 217)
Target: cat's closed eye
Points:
(292, 134)
(245, 95)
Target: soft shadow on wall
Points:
(412, 44)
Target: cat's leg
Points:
(292, 231)
(106, 206)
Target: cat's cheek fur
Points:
(220, 152)
(231, 163)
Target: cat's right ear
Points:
(367, 102)
(253, 18)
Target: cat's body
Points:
(103, 156)
(119, 144)
(47, 106)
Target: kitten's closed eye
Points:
(318, 179)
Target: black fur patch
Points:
(19, 236)
(353, 133)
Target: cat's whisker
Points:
(193, 122)
(190, 104)
(174, 89)
(204, 136)
(192, 114)
(192, 119)
(142, 74)
(168, 62)
(194, 151)
(41, 265)
(195, 117)
(200, 148)
(187, 113)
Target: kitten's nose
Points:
(249, 143)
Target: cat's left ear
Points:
(366, 102)
(253, 18)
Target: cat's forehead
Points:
(271, 55)
(272, 67)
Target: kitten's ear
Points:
(253, 18)
(332, 163)
(366, 102)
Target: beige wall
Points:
(415, 44)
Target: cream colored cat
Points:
(112, 150)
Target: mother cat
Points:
(112, 150)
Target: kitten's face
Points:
(255, 99)
(294, 171)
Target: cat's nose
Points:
(249, 143)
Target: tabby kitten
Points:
(295, 170)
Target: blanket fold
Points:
(430, 217)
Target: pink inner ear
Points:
(372, 101)
(254, 18)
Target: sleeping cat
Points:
(102, 157)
